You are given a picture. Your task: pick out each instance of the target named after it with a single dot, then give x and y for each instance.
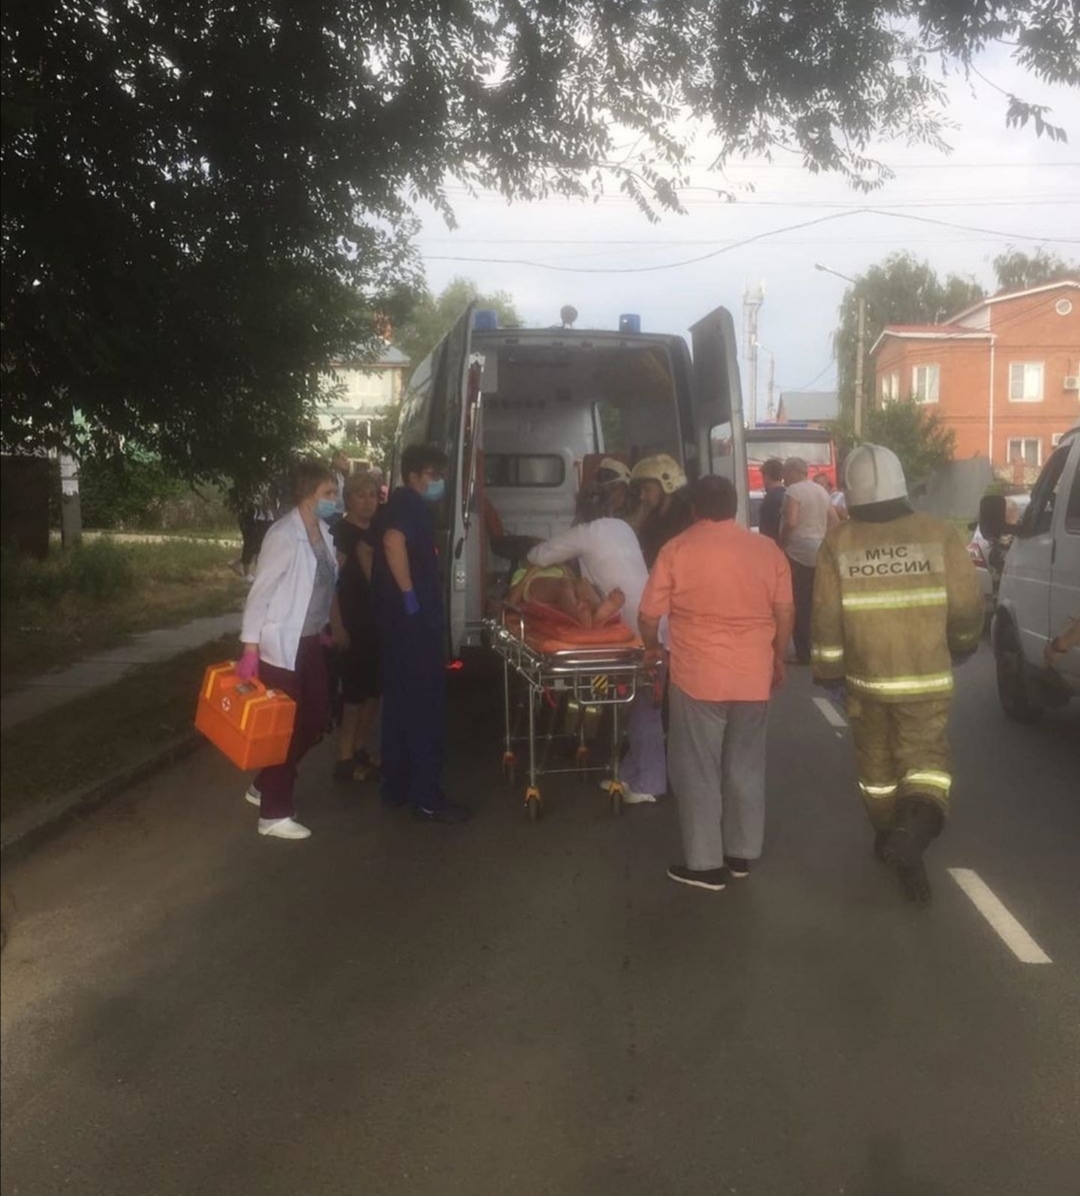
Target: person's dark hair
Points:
(714, 498)
(418, 457)
(773, 469)
(307, 476)
(595, 501)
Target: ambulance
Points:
(526, 415)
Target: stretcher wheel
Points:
(533, 806)
(616, 795)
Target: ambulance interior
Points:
(550, 411)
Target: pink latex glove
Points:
(247, 667)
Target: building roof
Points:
(1002, 296)
(809, 406)
(957, 328)
(933, 332)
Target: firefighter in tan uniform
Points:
(896, 603)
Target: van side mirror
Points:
(992, 516)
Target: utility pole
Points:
(860, 347)
(752, 301)
(860, 355)
(70, 507)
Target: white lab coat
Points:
(278, 601)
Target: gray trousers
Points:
(716, 759)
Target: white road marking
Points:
(832, 716)
(1008, 929)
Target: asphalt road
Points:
(391, 1009)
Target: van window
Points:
(1039, 517)
(524, 469)
(813, 452)
(1072, 511)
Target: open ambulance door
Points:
(719, 434)
(455, 412)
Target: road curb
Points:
(25, 832)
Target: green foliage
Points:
(1017, 270)
(915, 434)
(125, 493)
(101, 570)
(205, 202)
(899, 290)
(433, 316)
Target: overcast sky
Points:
(1006, 181)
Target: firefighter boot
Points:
(918, 824)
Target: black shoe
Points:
(714, 879)
(738, 868)
(449, 812)
(918, 824)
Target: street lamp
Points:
(859, 347)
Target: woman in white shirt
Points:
(285, 615)
(608, 552)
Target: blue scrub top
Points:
(409, 514)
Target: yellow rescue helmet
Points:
(662, 469)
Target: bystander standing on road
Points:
(610, 557)
(772, 505)
(352, 624)
(836, 495)
(284, 617)
(896, 604)
(807, 516)
(727, 595)
(410, 617)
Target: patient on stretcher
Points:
(558, 587)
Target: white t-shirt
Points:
(610, 557)
(803, 543)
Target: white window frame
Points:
(1025, 366)
(890, 387)
(928, 366)
(1021, 441)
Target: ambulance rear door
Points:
(719, 436)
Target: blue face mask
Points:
(326, 508)
(435, 489)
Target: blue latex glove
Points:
(412, 603)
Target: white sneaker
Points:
(253, 795)
(283, 828)
(630, 798)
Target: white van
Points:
(1040, 591)
(526, 415)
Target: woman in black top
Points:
(352, 623)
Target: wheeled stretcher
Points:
(565, 683)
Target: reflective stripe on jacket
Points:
(892, 602)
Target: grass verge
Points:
(74, 603)
(90, 738)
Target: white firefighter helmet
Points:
(660, 468)
(872, 474)
(611, 469)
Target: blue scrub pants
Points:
(413, 713)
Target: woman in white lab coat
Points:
(286, 614)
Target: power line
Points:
(750, 241)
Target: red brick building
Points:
(1004, 375)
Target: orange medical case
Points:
(251, 724)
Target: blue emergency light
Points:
(485, 321)
(630, 322)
